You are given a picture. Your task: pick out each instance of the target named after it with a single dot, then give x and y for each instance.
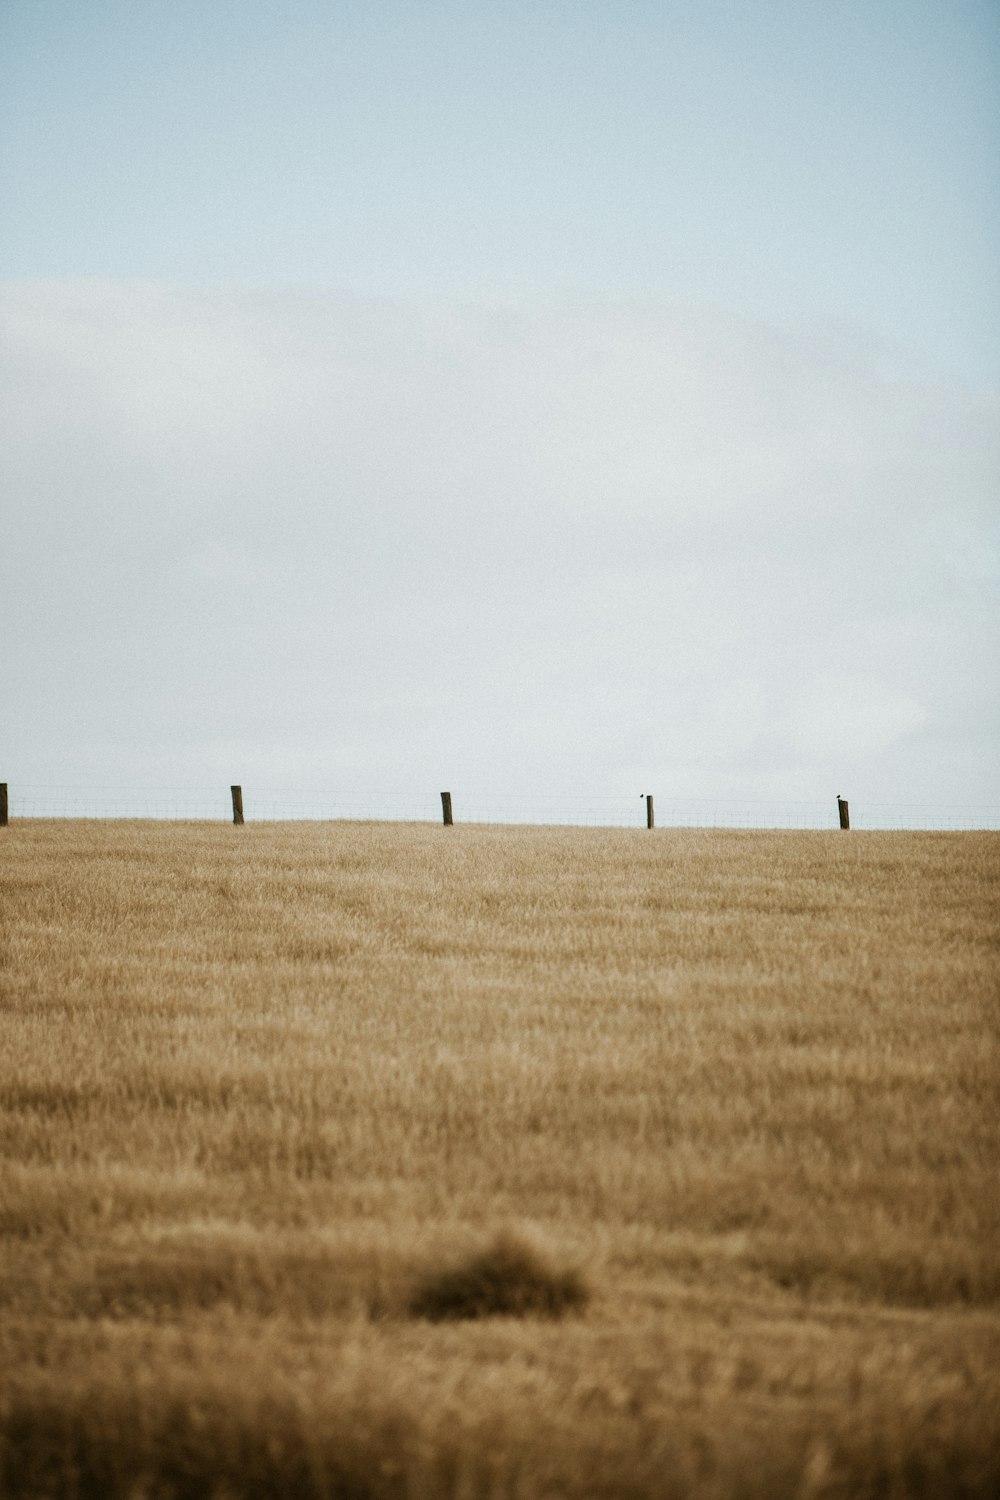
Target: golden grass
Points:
(258, 1085)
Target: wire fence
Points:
(267, 805)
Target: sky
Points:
(552, 400)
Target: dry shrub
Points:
(510, 1279)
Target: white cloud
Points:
(593, 540)
(847, 718)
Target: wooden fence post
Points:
(446, 808)
(237, 792)
(649, 811)
(3, 804)
(845, 817)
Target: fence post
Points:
(845, 817)
(649, 811)
(237, 792)
(3, 804)
(446, 808)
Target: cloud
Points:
(847, 717)
(591, 539)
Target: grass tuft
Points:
(510, 1279)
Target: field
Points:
(258, 1084)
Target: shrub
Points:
(510, 1279)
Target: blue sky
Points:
(795, 160)
(640, 360)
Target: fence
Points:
(263, 805)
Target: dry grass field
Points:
(263, 1090)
